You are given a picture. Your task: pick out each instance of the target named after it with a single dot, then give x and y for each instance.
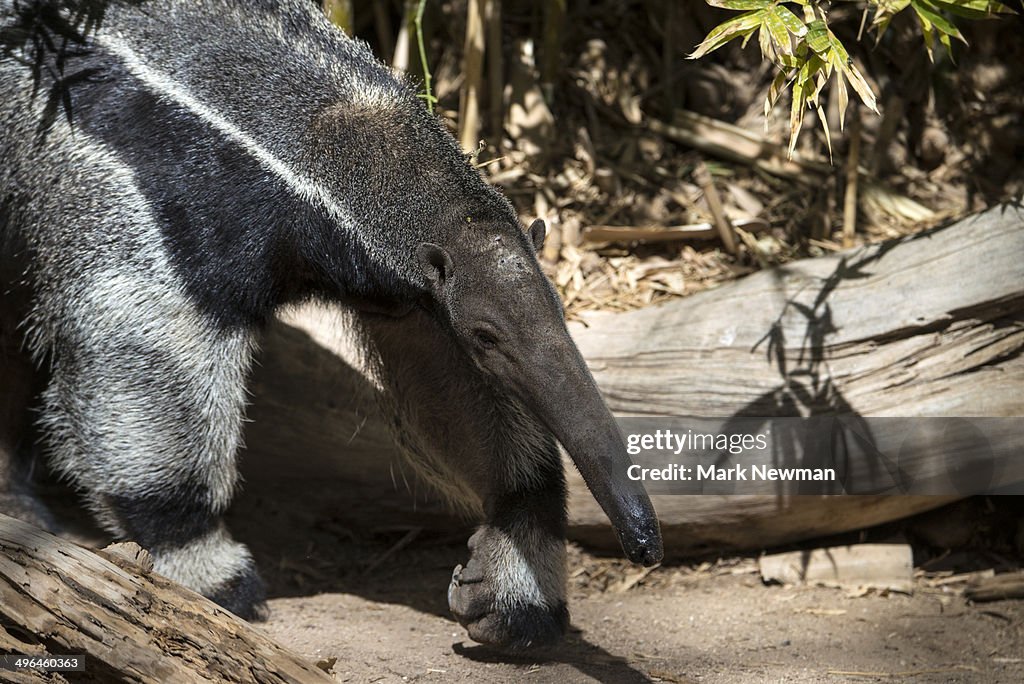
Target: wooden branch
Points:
(702, 177)
(58, 598)
(998, 588)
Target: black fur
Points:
(169, 518)
(244, 595)
(172, 173)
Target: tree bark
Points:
(58, 598)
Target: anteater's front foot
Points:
(509, 596)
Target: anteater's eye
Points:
(485, 339)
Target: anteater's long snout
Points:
(569, 403)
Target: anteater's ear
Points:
(435, 263)
(537, 233)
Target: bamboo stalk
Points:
(554, 17)
(400, 59)
(469, 97)
(850, 197)
(495, 68)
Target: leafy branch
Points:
(808, 55)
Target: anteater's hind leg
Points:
(491, 457)
(143, 415)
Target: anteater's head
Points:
(509, 320)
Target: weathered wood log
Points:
(929, 325)
(58, 598)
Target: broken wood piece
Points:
(129, 625)
(889, 567)
(702, 177)
(128, 555)
(732, 143)
(1009, 585)
(693, 231)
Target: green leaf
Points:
(892, 6)
(792, 22)
(941, 23)
(736, 27)
(860, 86)
(973, 9)
(791, 61)
(774, 91)
(944, 39)
(838, 49)
(803, 91)
(929, 36)
(796, 115)
(843, 97)
(765, 42)
(817, 37)
(740, 4)
(777, 30)
(885, 10)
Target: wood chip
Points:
(880, 566)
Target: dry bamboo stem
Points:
(850, 198)
(400, 60)
(725, 230)
(554, 17)
(469, 98)
(496, 83)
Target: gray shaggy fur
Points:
(171, 174)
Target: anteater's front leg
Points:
(512, 590)
(490, 457)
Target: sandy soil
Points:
(721, 629)
(374, 600)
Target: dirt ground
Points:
(374, 603)
(723, 629)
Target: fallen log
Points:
(57, 598)
(928, 325)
